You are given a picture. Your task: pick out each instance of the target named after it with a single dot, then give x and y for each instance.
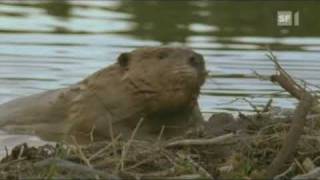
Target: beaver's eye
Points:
(193, 61)
(123, 59)
(162, 55)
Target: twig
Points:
(112, 136)
(285, 80)
(259, 76)
(299, 165)
(92, 157)
(92, 133)
(82, 156)
(128, 144)
(199, 168)
(254, 107)
(161, 133)
(7, 151)
(167, 156)
(201, 142)
(151, 158)
(21, 150)
(267, 106)
(287, 171)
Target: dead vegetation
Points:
(271, 144)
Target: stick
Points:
(201, 142)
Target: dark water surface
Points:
(51, 44)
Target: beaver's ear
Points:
(123, 59)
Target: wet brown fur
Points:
(159, 85)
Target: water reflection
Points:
(61, 9)
(50, 44)
(176, 21)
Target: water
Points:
(51, 44)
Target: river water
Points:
(51, 44)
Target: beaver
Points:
(158, 85)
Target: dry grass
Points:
(245, 153)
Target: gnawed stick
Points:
(200, 142)
(296, 129)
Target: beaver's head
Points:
(168, 79)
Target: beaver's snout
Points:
(197, 61)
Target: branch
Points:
(306, 102)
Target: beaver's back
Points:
(32, 112)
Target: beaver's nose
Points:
(197, 61)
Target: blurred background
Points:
(51, 44)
